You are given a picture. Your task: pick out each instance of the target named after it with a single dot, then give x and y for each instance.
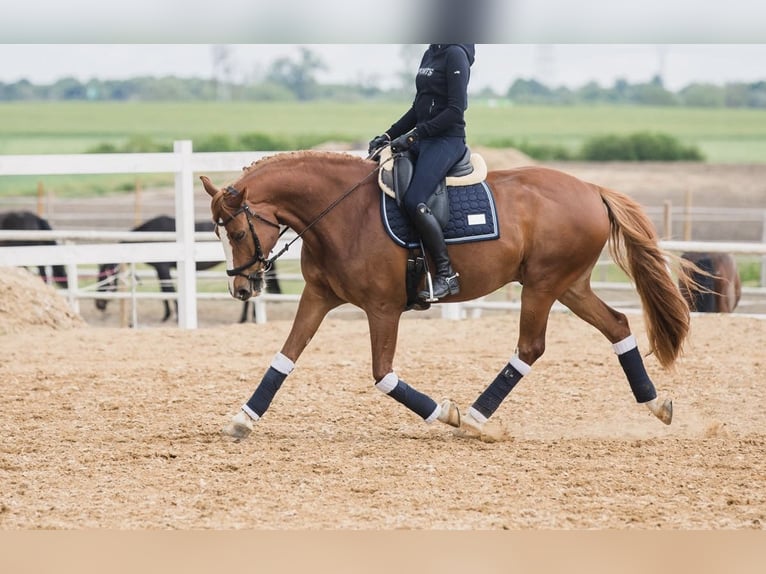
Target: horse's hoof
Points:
(469, 427)
(450, 414)
(485, 432)
(665, 412)
(240, 427)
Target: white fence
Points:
(184, 246)
(179, 246)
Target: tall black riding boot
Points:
(445, 282)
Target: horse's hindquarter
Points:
(547, 219)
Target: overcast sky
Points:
(497, 65)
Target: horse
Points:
(107, 273)
(32, 221)
(721, 286)
(553, 227)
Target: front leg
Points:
(384, 327)
(315, 302)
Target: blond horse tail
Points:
(633, 245)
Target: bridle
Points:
(258, 257)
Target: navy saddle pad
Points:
(473, 217)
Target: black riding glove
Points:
(378, 142)
(404, 142)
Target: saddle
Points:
(468, 215)
(395, 175)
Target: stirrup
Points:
(453, 288)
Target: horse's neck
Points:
(313, 184)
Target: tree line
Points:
(296, 79)
(652, 93)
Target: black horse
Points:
(107, 272)
(32, 221)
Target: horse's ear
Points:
(233, 198)
(211, 189)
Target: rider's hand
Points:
(404, 142)
(378, 142)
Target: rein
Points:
(319, 217)
(250, 215)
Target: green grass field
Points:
(723, 135)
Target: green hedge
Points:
(222, 142)
(640, 146)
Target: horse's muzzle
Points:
(244, 293)
(250, 289)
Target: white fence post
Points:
(453, 311)
(187, 267)
(73, 287)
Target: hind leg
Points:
(581, 299)
(166, 286)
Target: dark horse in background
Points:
(553, 228)
(26, 220)
(720, 285)
(107, 273)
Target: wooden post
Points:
(137, 203)
(40, 199)
(49, 204)
(688, 216)
(667, 219)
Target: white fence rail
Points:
(183, 246)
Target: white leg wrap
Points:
(250, 412)
(477, 415)
(434, 415)
(387, 383)
(627, 344)
(282, 364)
(519, 365)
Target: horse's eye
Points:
(238, 236)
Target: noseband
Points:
(258, 255)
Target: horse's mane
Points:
(297, 155)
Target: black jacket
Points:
(442, 93)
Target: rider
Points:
(433, 129)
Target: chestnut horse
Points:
(553, 228)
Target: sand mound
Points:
(503, 158)
(25, 300)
